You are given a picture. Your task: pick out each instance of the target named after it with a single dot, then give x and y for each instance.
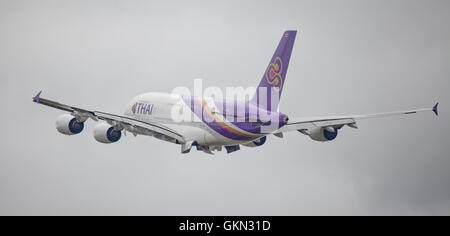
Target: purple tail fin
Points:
(273, 81)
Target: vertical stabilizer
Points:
(269, 90)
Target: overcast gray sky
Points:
(350, 57)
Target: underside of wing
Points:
(74, 123)
(139, 127)
(326, 128)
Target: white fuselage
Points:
(163, 108)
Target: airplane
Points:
(216, 125)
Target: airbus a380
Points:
(218, 123)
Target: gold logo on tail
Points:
(273, 74)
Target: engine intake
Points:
(256, 143)
(104, 133)
(68, 125)
(323, 134)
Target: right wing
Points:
(118, 122)
(339, 121)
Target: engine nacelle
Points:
(104, 133)
(256, 143)
(68, 125)
(323, 134)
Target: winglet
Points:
(435, 108)
(37, 97)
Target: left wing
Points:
(337, 122)
(118, 122)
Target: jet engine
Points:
(104, 133)
(323, 134)
(68, 125)
(256, 143)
